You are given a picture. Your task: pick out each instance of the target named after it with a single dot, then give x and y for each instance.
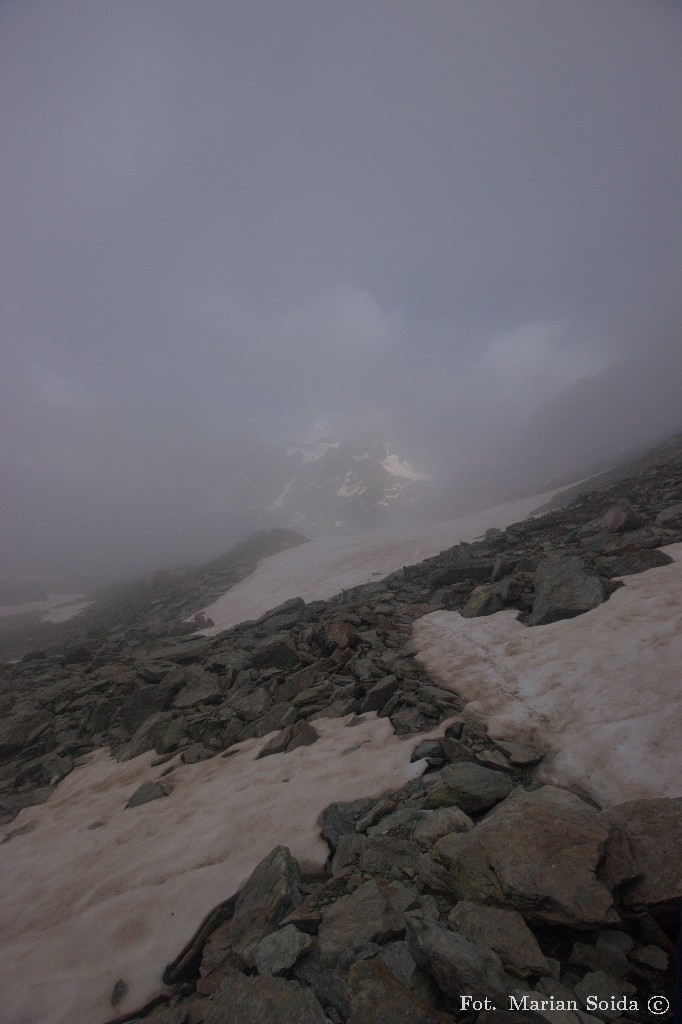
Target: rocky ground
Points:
(474, 880)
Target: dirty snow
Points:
(324, 566)
(86, 904)
(601, 692)
(66, 612)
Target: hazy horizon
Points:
(233, 227)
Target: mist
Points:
(231, 227)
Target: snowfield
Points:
(600, 692)
(94, 892)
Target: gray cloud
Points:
(232, 224)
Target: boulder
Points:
(21, 729)
(653, 829)
(563, 589)
(147, 792)
(437, 824)
(301, 734)
(373, 913)
(484, 600)
(459, 967)
(271, 892)
(378, 997)
(503, 931)
(277, 953)
(468, 786)
(537, 852)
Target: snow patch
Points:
(350, 486)
(96, 893)
(601, 692)
(395, 467)
(327, 565)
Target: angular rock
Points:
(459, 967)
(373, 913)
(484, 600)
(537, 853)
(339, 819)
(563, 589)
(468, 786)
(263, 1001)
(19, 730)
(378, 694)
(503, 931)
(442, 822)
(147, 792)
(301, 734)
(632, 562)
(603, 987)
(277, 953)
(146, 701)
(279, 653)
(654, 833)
(377, 997)
(271, 892)
(620, 518)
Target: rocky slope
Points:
(473, 881)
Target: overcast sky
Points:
(273, 220)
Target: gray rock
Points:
(405, 819)
(301, 734)
(468, 786)
(620, 518)
(563, 589)
(147, 792)
(459, 967)
(537, 853)
(378, 997)
(484, 600)
(604, 988)
(632, 562)
(654, 833)
(372, 913)
(379, 694)
(519, 754)
(442, 822)
(503, 931)
(261, 1000)
(339, 819)
(146, 701)
(200, 691)
(277, 953)
(271, 892)
(275, 653)
(21, 729)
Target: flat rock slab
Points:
(372, 913)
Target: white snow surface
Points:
(395, 467)
(51, 601)
(66, 612)
(86, 904)
(600, 692)
(324, 566)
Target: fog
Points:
(228, 227)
